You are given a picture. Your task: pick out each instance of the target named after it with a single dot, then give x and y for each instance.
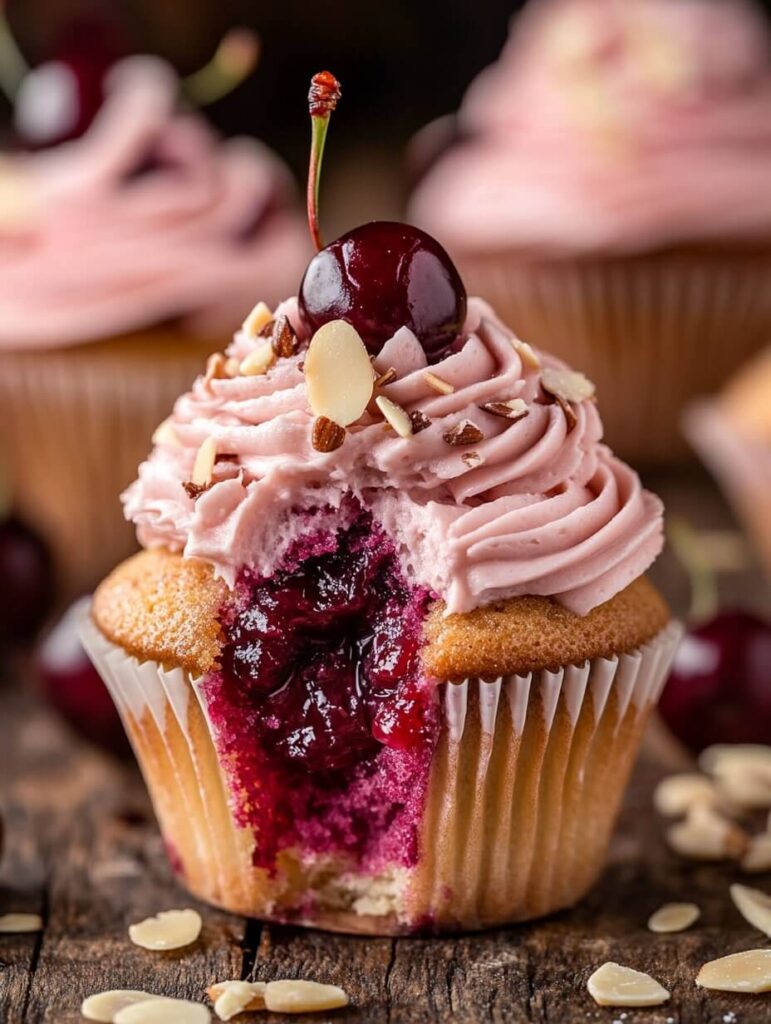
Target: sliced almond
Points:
(465, 432)
(673, 917)
(395, 416)
(233, 997)
(338, 373)
(676, 794)
(232, 366)
(526, 353)
(163, 1011)
(511, 409)
(203, 467)
(616, 985)
(439, 385)
(757, 859)
(569, 385)
(18, 924)
(726, 756)
(259, 360)
(103, 1006)
(754, 906)
(257, 319)
(164, 433)
(746, 785)
(749, 971)
(216, 367)
(707, 835)
(327, 435)
(171, 929)
(303, 997)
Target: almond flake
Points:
(164, 433)
(203, 467)
(283, 338)
(512, 409)
(259, 360)
(18, 924)
(327, 435)
(754, 906)
(675, 795)
(757, 859)
(726, 756)
(419, 421)
(215, 368)
(462, 433)
(749, 971)
(568, 385)
(163, 1011)
(257, 319)
(673, 917)
(707, 835)
(103, 1006)
(338, 373)
(233, 997)
(171, 929)
(526, 353)
(616, 985)
(386, 378)
(747, 785)
(395, 416)
(442, 386)
(303, 997)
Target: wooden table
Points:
(82, 850)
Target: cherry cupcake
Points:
(606, 189)
(126, 254)
(388, 652)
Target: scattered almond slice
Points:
(725, 756)
(395, 416)
(338, 373)
(757, 859)
(171, 929)
(259, 360)
(216, 367)
(754, 906)
(706, 835)
(164, 433)
(19, 924)
(673, 917)
(233, 997)
(303, 997)
(203, 467)
(675, 795)
(569, 385)
(438, 384)
(257, 319)
(163, 1011)
(616, 985)
(749, 971)
(526, 353)
(103, 1006)
(746, 785)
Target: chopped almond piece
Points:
(257, 319)
(443, 387)
(259, 360)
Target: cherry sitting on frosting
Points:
(380, 276)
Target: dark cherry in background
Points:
(26, 582)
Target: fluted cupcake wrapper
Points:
(652, 331)
(523, 790)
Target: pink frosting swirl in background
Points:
(149, 216)
(539, 509)
(613, 125)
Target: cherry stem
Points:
(13, 66)
(322, 99)
(234, 60)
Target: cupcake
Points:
(732, 434)
(388, 651)
(127, 255)
(608, 193)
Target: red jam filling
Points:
(324, 720)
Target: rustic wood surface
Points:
(82, 850)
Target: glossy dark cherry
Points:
(719, 690)
(325, 659)
(383, 276)
(26, 582)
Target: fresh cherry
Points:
(26, 582)
(719, 689)
(380, 276)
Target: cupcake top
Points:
(487, 468)
(149, 216)
(609, 126)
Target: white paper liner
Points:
(497, 844)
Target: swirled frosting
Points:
(534, 508)
(610, 125)
(147, 217)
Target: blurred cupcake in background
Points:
(607, 190)
(126, 256)
(732, 435)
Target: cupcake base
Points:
(523, 787)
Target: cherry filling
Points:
(320, 704)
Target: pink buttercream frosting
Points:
(149, 216)
(612, 125)
(533, 508)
